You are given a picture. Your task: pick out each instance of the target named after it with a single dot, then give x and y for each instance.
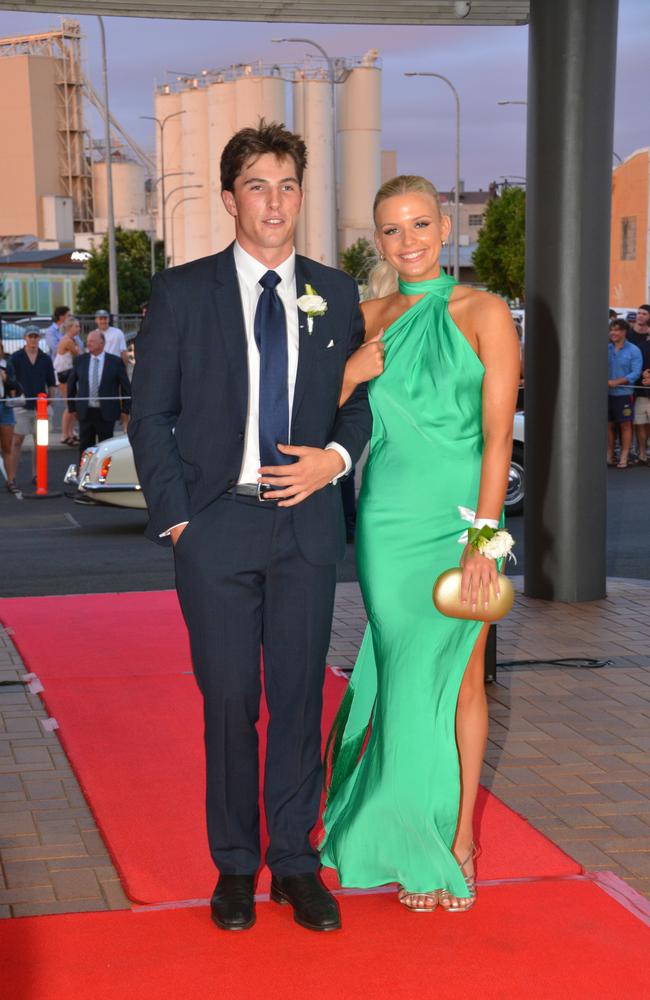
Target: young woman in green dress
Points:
(410, 736)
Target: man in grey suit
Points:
(101, 382)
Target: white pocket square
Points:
(331, 344)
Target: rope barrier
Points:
(63, 399)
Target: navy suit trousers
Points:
(244, 587)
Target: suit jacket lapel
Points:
(105, 368)
(306, 341)
(230, 315)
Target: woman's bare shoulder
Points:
(377, 311)
(480, 305)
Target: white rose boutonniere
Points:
(313, 304)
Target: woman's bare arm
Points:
(498, 349)
(368, 360)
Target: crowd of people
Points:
(31, 370)
(88, 378)
(629, 389)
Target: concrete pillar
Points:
(572, 61)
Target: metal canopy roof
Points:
(498, 12)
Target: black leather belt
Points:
(252, 490)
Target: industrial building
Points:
(45, 180)
(53, 183)
(199, 114)
(53, 188)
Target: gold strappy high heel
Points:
(463, 905)
(404, 896)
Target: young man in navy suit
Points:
(237, 387)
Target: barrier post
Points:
(42, 443)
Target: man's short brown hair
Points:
(268, 137)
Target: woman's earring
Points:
(444, 243)
(381, 256)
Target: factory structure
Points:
(53, 176)
(53, 182)
(201, 113)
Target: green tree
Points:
(359, 258)
(133, 250)
(499, 256)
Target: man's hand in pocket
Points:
(176, 532)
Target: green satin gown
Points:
(394, 794)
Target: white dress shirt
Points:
(249, 271)
(93, 359)
(114, 341)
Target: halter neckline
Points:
(440, 285)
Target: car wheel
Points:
(516, 489)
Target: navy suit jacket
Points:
(114, 382)
(190, 394)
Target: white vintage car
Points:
(107, 473)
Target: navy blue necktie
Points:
(270, 331)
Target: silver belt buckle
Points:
(262, 488)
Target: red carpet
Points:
(114, 668)
(541, 941)
(99, 635)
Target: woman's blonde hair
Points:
(382, 279)
(69, 322)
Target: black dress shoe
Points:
(313, 906)
(233, 902)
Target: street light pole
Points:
(161, 122)
(152, 248)
(439, 76)
(179, 187)
(113, 294)
(332, 81)
(192, 197)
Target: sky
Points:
(486, 64)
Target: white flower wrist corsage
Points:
(313, 304)
(486, 537)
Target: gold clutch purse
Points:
(446, 597)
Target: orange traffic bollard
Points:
(42, 443)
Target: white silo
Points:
(100, 197)
(359, 139)
(167, 103)
(299, 94)
(315, 236)
(128, 189)
(129, 196)
(258, 97)
(221, 126)
(195, 159)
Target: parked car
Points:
(107, 473)
(516, 488)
